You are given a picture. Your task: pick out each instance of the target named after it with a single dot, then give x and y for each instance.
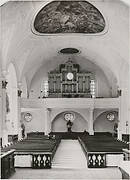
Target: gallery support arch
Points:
(59, 123)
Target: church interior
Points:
(64, 89)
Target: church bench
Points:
(7, 164)
(35, 152)
(102, 151)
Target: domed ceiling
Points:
(69, 17)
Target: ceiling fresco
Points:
(69, 17)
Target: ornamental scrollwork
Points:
(19, 93)
(4, 84)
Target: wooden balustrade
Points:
(7, 164)
(37, 159)
(41, 161)
(96, 160)
(126, 153)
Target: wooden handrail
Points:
(126, 151)
(7, 153)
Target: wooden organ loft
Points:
(69, 81)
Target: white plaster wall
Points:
(84, 112)
(101, 124)
(79, 124)
(24, 88)
(0, 106)
(37, 123)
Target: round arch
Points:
(102, 124)
(59, 123)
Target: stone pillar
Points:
(1, 105)
(49, 120)
(47, 112)
(119, 129)
(4, 126)
(91, 130)
(19, 112)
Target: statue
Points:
(7, 103)
(69, 126)
(23, 130)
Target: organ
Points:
(68, 80)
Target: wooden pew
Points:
(7, 164)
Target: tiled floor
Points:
(57, 173)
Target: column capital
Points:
(19, 89)
(19, 93)
(4, 84)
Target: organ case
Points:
(68, 80)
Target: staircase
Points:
(69, 155)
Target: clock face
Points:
(70, 76)
(28, 117)
(69, 117)
(110, 116)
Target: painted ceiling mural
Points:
(69, 17)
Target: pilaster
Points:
(4, 126)
(19, 92)
(91, 130)
(47, 113)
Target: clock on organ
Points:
(70, 76)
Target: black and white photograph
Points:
(65, 89)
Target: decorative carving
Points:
(19, 93)
(41, 161)
(110, 116)
(96, 160)
(68, 80)
(28, 117)
(4, 84)
(69, 17)
(69, 116)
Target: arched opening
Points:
(59, 124)
(103, 124)
(11, 101)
